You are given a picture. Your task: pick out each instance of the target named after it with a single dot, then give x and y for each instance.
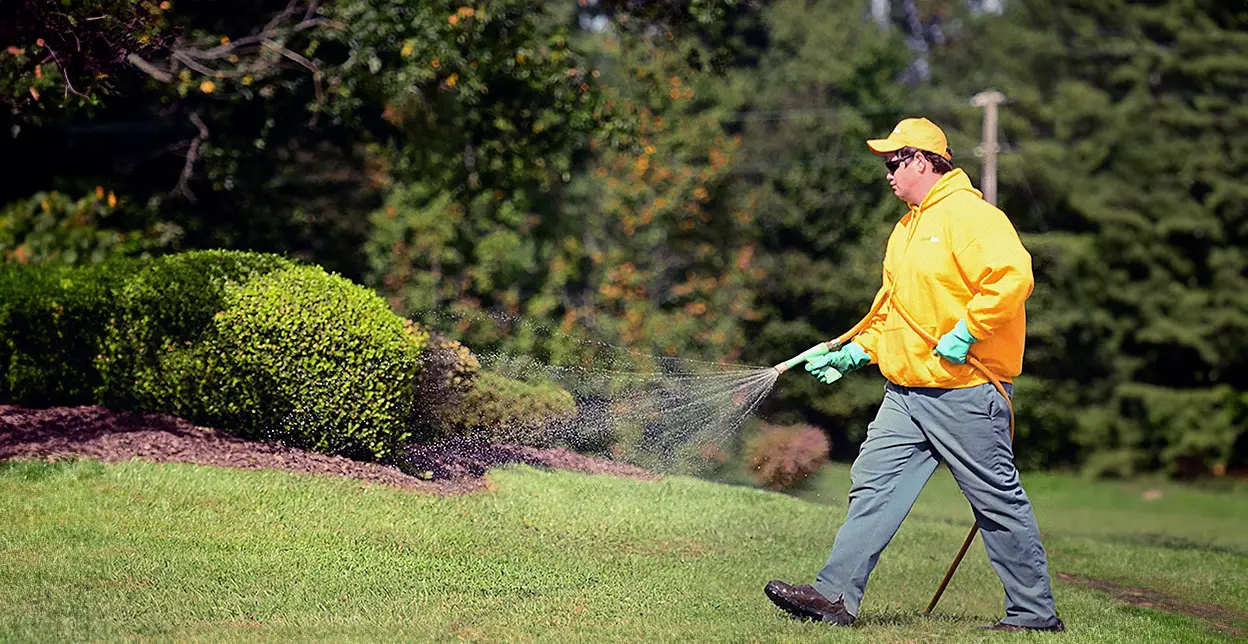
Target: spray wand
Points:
(821, 349)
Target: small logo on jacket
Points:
(934, 240)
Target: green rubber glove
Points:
(954, 345)
(827, 375)
(830, 367)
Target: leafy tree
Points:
(279, 127)
(63, 55)
(195, 127)
(631, 242)
(89, 50)
(670, 256)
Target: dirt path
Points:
(1223, 618)
(98, 433)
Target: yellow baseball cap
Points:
(917, 133)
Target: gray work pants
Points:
(915, 430)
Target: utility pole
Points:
(989, 100)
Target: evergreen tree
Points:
(1125, 168)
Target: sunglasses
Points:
(893, 164)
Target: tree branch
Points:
(307, 64)
(69, 86)
(271, 38)
(149, 69)
(192, 154)
(189, 62)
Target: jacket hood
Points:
(951, 183)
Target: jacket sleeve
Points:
(999, 270)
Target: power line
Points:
(785, 114)
(839, 162)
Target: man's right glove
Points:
(954, 345)
(829, 368)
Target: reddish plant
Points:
(782, 456)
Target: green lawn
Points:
(178, 552)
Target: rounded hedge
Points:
(459, 399)
(499, 408)
(164, 302)
(257, 345)
(254, 344)
(296, 355)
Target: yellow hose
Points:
(835, 343)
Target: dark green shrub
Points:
(782, 456)
(297, 355)
(448, 364)
(457, 399)
(257, 345)
(9, 279)
(251, 343)
(52, 320)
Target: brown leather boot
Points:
(1059, 627)
(805, 602)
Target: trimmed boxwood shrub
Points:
(458, 399)
(251, 343)
(296, 355)
(447, 372)
(448, 367)
(168, 301)
(257, 345)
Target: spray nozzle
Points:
(823, 348)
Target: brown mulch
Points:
(1224, 619)
(101, 434)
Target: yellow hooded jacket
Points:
(952, 257)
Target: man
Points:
(955, 267)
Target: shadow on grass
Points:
(1148, 539)
(1230, 621)
(916, 620)
(42, 470)
(1172, 542)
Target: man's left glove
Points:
(954, 345)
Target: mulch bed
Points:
(101, 434)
